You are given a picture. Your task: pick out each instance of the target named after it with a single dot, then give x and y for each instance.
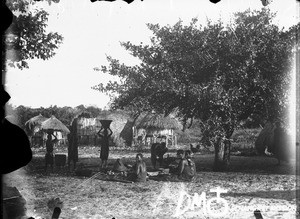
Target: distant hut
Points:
(34, 130)
(89, 126)
(153, 127)
(265, 138)
(60, 129)
(86, 129)
(121, 126)
(34, 124)
(54, 124)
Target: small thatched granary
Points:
(153, 127)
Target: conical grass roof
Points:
(34, 122)
(54, 124)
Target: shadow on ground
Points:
(204, 163)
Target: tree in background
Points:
(220, 74)
(27, 37)
(65, 114)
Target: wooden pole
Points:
(172, 134)
(167, 139)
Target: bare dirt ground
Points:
(252, 183)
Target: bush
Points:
(188, 136)
(244, 138)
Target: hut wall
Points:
(121, 126)
(140, 132)
(147, 137)
(87, 126)
(166, 132)
(87, 131)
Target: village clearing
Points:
(252, 183)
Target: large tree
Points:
(220, 74)
(27, 37)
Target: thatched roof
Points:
(55, 124)
(37, 120)
(158, 122)
(34, 123)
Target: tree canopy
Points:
(220, 74)
(27, 37)
(187, 66)
(64, 114)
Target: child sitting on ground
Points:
(186, 167)
(139, 170)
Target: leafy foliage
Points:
(27, 38)
(220, 74)
(64, 114)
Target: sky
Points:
(93, 30)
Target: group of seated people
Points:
(136, 173)
(181, 167)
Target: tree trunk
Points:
(222, 155)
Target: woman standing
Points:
(104, 134)
(49, 157)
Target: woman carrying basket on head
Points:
(49, 157)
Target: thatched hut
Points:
(60, 129)
(265, 138)
(277, 141)
(87, 127)
(121, 126)
(154, 127)
(33, 125)
(54, 124)
(34, 130)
